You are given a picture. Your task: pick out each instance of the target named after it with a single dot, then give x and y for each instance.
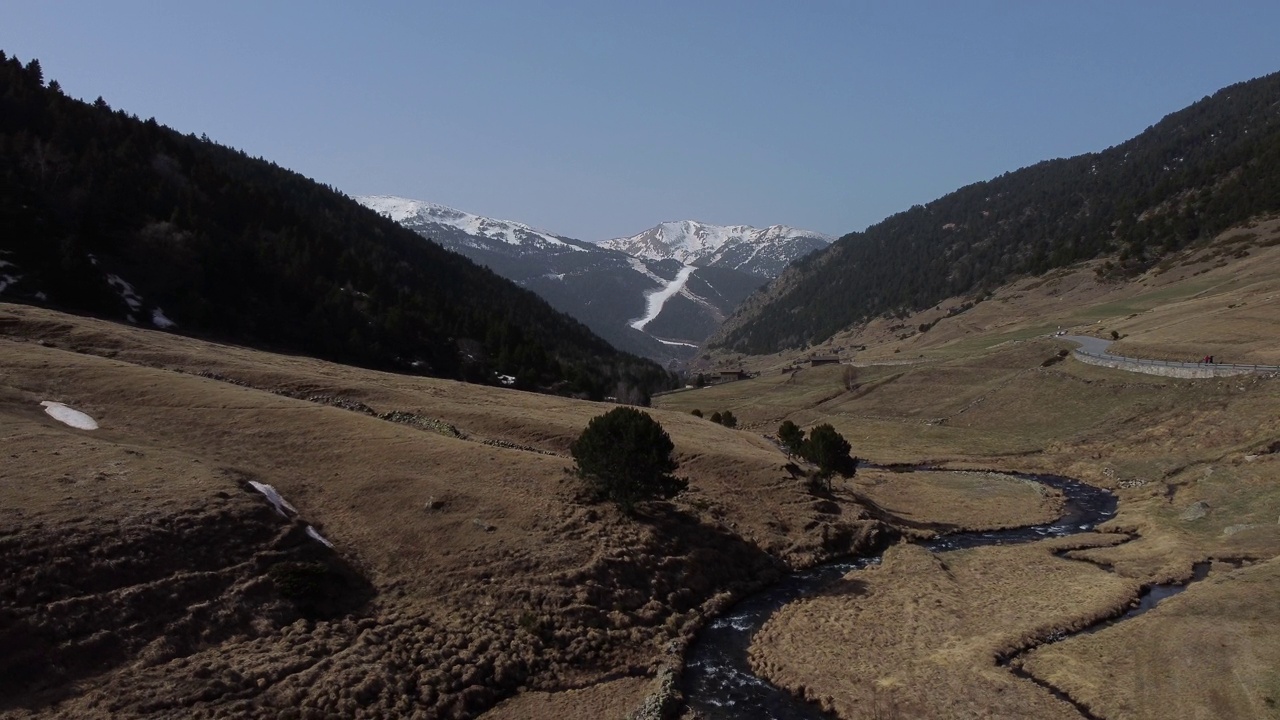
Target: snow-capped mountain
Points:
(475, 230)
(764, 252)
(659, 294)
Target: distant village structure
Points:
(723, 376)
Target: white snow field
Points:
(69, 416)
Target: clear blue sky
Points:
(601, 118)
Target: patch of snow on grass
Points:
(274, 498)
(317, 536)
(7, 280)
(159, 320)
(69, 416)
(126, 291)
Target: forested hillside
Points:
(106, 214)
(1196, 172)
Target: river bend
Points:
(718, 680)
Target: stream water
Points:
(718, 681)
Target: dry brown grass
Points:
(973, 392)
(1210, 652)
(953, 501)
(508, 583)
(606, 700)
(138, 570)
(927, 630)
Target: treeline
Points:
(1197, 172)
(241, 249)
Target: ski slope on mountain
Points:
(658, 298)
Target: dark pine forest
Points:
(239, 249)
(1197, 172)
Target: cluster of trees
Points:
(625, 456)
(725, 418)
(1197, 172)
(240, 249)
(824, 447)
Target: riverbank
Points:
(919, 632)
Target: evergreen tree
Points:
(828, 449)
(625, 456)
(791, 437)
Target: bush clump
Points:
(625, 456)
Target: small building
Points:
(721, 376)
(817, 360)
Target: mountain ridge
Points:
(112, 216)
(759, 251)
(1196, 171)
(661, 304)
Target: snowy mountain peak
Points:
(740, 247)
(421, 215)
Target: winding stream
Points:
(718, 680)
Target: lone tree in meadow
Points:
(625, 456)
(828, 449)
(791, 437)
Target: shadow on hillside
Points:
(884, 515)
(87, 599)
(717, 559)
(846, 587)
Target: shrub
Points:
(715, 417)
(624, 455)
(696, 412)
(728, 420)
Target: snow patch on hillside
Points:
(7, 280)
(274, 497)
(126, 292)
(69, 416)
(159, 320)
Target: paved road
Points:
(1092, 345)
(1097, 347)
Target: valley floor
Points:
(1195, 464)
(144, 575)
